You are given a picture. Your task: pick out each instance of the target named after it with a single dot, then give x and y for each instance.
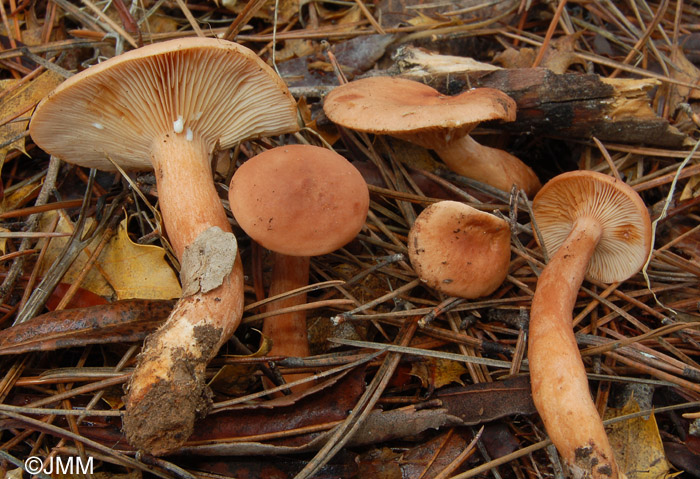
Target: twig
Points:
(343, 433)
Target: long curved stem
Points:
(559, 384)
(167, 390)
(492, 166)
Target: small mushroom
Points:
(166, 107)
(419, 114)
(298, 201)
(459, 250)
(597, 225)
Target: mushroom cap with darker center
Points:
(414, 111)
(459, 250)
(626, 227)
(299, 200)
(213, 90)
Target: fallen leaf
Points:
(19, 197)
(236, 379)
(159, 23)
(19, 103)
(558, 56)
(435, 373)
(82, 298)
(137, 271)
(478, 403)
(122, 321)
(683, 457)
(93, 281)
(286, 9)
(637, 444)
(3, 241)
(691, 189)
(429, 459)
(421, 20)
(297, 48)
(516, 58)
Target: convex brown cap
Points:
(420, 114)
(214, 90)
(414, 111)
(299, 200)
(459, 250)
(626, 237)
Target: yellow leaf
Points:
(159, 23)
(3, 241)
(236, 379)
(691, 189)
(423, 20)
(19, 103)
(438, 372)
(93, 281)
(18, 197)
(637, 444)
(137, 271)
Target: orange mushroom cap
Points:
(414, 111)
(459, 250)
(299, 200)
(626, 238)
(215, 90)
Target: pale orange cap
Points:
(299, 200)
(459, 250)
(214, 89)
(626, 239)
(414, 111)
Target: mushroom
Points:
(419, 114)
(166, 107)
(592, 224)
(297, 201)
(459, 250)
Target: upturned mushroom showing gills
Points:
(297, 201)
(166, 107)
(419, 114)
(459, 250)
(591, 224)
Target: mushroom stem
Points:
(186, 193)
(498, 168)
(559, 384)
(288, 331)
(167, 391)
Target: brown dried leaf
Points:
(558, 56)
(686, 72)
(81, 299)
(122, 321)
(286, 9)
(512, 58)
(424, 461)
(484, 402)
